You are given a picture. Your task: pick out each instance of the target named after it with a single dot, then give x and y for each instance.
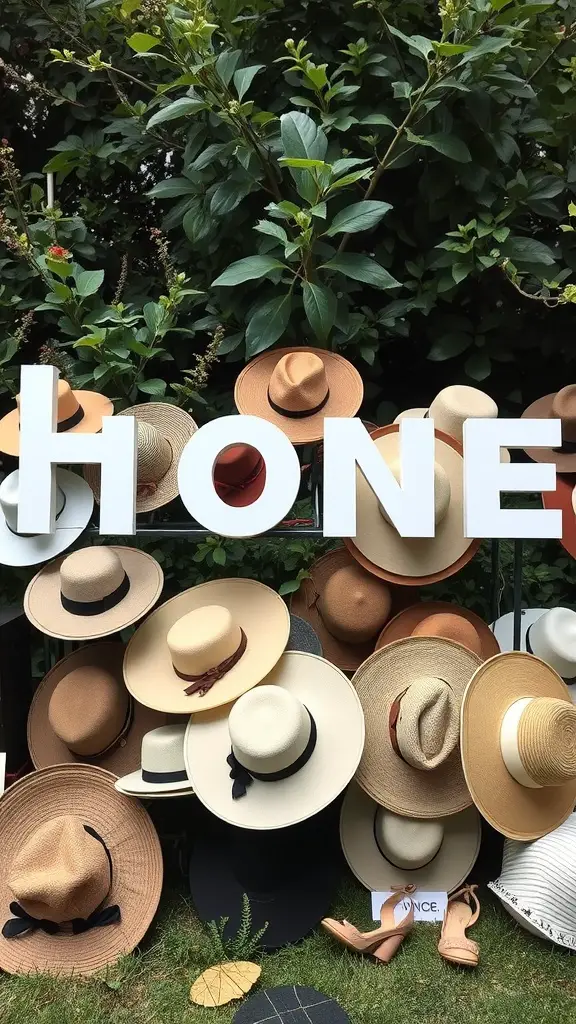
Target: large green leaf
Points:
(268, 324)
(301, 137)
(488, 44)
(228, 196)
(449, 145)
(450, 345)
(179, 108)
(320, 308)
(417, 44)
(154, 387)
(171, 187)
(527, 250)
(362, 268)
(142, 42)
(153, 316)
(226, 64)
(244, 77)
(358, 217)
(249, 269)
(269, 227)
(88, 282)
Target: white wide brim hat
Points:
(134, 785)
(503, 629)
(16, 549)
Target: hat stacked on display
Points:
(452, 407)
(78, 412)
(439, 618)
(161, 772)
(74, 504)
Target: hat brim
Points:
(289, 1004)
(344, 382)
(258, 610)
(46, 748)
(43, 606)
(382, 773)
(333, 703)
(137, 870)
(516, 811)
(541, 409)
(73, 520)
(95, 407)
(134, 785)
(404, 624)
(445, 873)
(503, 628)
(177, 426)
(303, 637)
(564, 498)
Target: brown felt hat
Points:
(439, 618)
(79, 412)
(83, 712)
(561, 405)
(239, 475)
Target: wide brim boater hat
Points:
(79, 412)
(561, 405)
(163, 431)
(296, 388)
(417, 561)
(440, 618)
(94, 592)
(519, 745)
(80, 873)
(161, 773)
(411, 692)
(206, 646)
(74, 504)
(282, 752)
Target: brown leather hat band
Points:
(205, 681)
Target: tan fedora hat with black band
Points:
(440, 618)
(79, 412)
(561, 405)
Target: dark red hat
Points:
(239, 475)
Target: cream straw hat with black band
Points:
(78, 412)
(74, 504)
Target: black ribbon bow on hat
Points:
(23, 922)
(240, 775)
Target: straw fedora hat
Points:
(290, 1004)
(74, 504)
(162, 772)
(93, 592)
(564, 498)
(411, 692)
(80, 872)
(440, 618)
(296, 388)
(239, 475)
(452, 407)
(385, 850)
(413, 561)
(519, 745)
(283, 751)
(82, 712)
(561, 405)
(79, 412)
(206, 646)
(163, 431)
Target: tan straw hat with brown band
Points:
(560, 405)
(206, 646)
(297, 388)
(411, 692)
(79, 412)
(519, 745)
(80, 873)
(83, 712)
(440, 618)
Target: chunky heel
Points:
(386, 950)
(383, 942)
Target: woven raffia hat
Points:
(439, 618)
(297, 388)
(74, 503)
(93, 592)
(239, 475)
(163, 431)
(79, 412)
(519, 745)
(162, 772)
(411, 692)
(82, 712)
(560, 405)
(80, 872)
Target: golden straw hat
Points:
(93, 592)
(79, 412)
(296, 388)
(206, 646)
(163, 431)
(519, 745)
(440, 618)
(411, 692)
(80, 873)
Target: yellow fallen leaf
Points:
(224, 982)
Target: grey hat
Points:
(303, 637)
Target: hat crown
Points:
(91, 574)
(451, 626)
(552, 638)
(354, 605)
(9, 497)
(442, 491)
(547, 741)
(68, 404)
(298, 382)
(564, 408)
(61, 872)
(236, 463)
(163, 749)
(428, 725)
(203, 639)
(408, 843)
(269, 729)
(154, 453)
(87, 710)
(455, 404)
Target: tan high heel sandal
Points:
(453, 945)
(384, 941)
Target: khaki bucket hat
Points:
(560, 405)
(440, 618)
(79, 412)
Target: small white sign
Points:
(428, 906)
(2, 772)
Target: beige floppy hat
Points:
(163, 431)
(283, 751)
(440, 618)
(93, 592)
(80, 873)
(79, 412)
(411, 692)
(206, 646)
(385, 850)
(296, 388)
(519, 745)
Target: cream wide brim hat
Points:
(445, 872)
(95, 407)
(258, 610)
(73, 520)
(382, 773)
(517, 811)
(333, 703)
(137, 869)
(43, 606)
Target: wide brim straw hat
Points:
(46, 748)
(564, 498)
(380, 682)
(518, 812)
(405, 622)
(137, 871)
(177, 427)
(94, 406)
(334, 706)
(564, 461)
(418, 561)
(43, 606)
(148, 670)
(444, 873)
(16, 549)
(343, 380)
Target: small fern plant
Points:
(241, 946)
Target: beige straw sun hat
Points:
(519, 745)
(411, 692)
(80, 873)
